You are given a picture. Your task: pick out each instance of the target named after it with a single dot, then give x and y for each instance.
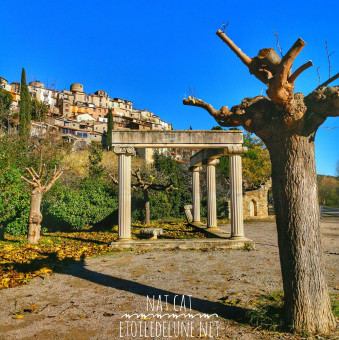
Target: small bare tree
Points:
(145, 187)
(35, 216)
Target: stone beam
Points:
(202, 157)
(178, 138)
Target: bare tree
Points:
(146, 187)
(287, 124)
(35, 216)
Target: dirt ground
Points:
(89, 299)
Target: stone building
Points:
(255, 202)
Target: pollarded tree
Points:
(35, 216)
(287, 124)
(145, 187)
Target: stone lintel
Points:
(178, 138)
(205, 155)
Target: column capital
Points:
(236, 150)
(213, 162)
(195, 168)
(123, 149)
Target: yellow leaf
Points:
(17, 316)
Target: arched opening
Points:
(253, 208)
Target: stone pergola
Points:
(209, 157)
(214, 145)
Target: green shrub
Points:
(14, 202)
(83, 205)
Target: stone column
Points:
(211, 194)
(196, 194)
(237, 224)
(124, 169)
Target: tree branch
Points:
(328, 81)
(35, 173)
(42, 171)
(297, 72)
(114, 180)
(161, 187)
(241, 55)
(323, 101)
(224, 117)
(32, 174)
(287, 60)
(54, 179)
(270, 69)
(28, 181)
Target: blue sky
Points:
(150, 52)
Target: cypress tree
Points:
(110, 128)
(25, 109)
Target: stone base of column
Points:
(238, 238)
(212, 228)
(123, 239)
(196, 223)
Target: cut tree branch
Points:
(241, 55)
(287, 60)
(28, 181)
(54, 179)
(298, 71)
(328, 81)
(270, 69)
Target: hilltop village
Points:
(82, 117)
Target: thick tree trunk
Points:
(147, 208)
(35, 217)
(307, 303)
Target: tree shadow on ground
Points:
(77, 268)
(203, 306)
(82, 239)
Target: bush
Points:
(86, 204)
(14, 202)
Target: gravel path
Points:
(89, 299)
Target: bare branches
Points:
(144, 185)
(199, 103)
(223, 26)
(277, 43)
(114, 180)
(329, 60)
(36, 178)
(54, 179)
(317, 69)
